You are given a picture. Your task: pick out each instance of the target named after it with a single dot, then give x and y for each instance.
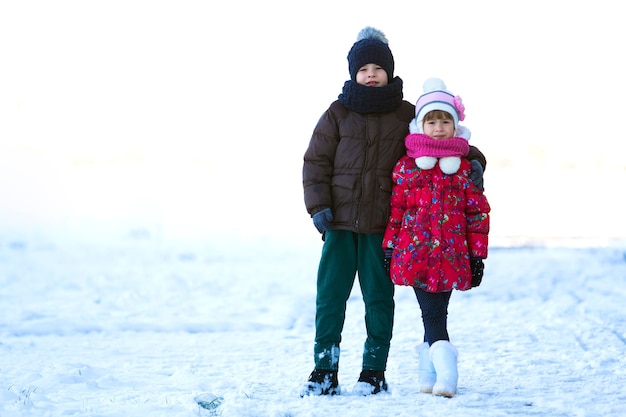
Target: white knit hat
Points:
(437, 97)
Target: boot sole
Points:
(444, 394)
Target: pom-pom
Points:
(449, 164)
(434, 84)
(425, 162)
(372, 33)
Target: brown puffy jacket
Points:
(348, 164)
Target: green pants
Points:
(343, 256)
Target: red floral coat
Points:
(437, 222)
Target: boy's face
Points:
(372, 75)
(439, 129)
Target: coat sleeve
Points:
(398, 206)
(319, 159)
(477, 214)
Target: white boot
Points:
(426, 370)
(444, 357)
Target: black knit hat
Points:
(371, 47)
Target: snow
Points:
(136, 324)
(154, 246)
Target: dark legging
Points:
(434, 307)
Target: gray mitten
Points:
(476, 174)
(322, 220)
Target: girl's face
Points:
(439, 129)
(372, 75)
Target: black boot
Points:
(371, 382)
(322, 382)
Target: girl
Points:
(436, 237)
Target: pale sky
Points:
(157, 95)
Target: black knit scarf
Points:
(363, 99)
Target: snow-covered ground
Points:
(132, 323)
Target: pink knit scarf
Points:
(419, 144)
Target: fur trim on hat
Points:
(372, 33)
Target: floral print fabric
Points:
(437, 222)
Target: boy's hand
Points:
(476, 174)
(322, 220)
